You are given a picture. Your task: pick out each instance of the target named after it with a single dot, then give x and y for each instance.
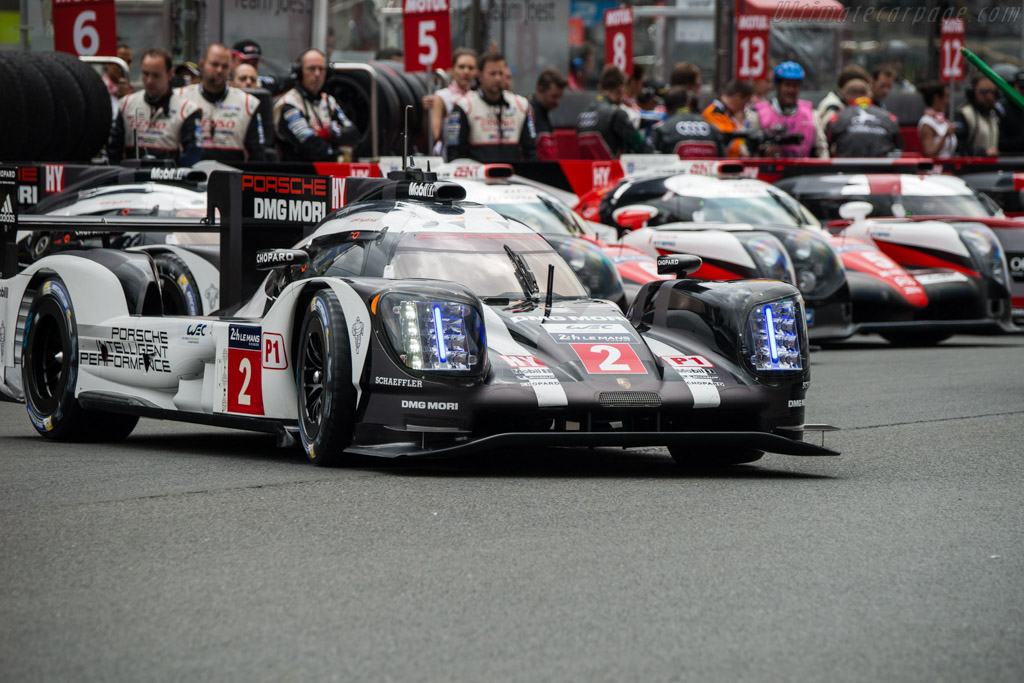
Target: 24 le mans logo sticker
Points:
(245, 369)
(618, 359)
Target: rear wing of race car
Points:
(250, 211)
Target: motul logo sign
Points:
(618, 17)
(752, 22)
(426, 5)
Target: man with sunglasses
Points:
(977, 121)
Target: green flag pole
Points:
(1008, 90)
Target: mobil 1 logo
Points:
(1016, 262)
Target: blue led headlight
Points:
(775, 333)
(433, 336)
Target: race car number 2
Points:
(609, 358)
(245, 369)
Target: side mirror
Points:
(679, 265)
(634, 217)
(856, 211)
(273, 259)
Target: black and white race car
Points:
(409, 322)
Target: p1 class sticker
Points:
(604, 359)
(245, 369)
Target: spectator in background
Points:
(391, 54)
(232, 126)
(245, 76)
(977, 122)
(863, 129)
(685, 132)
(761, 91)
(581, 69)
(165, 124)
(441, 102)
(787, 114)
(728, 114)
(185, 74)
(116, 79)
(1011, 127)
(935, 131)
(603, 129)
(688, 76)
(246, 51)
(548, 95)
(833, 101)
(883, 76)
(309, 123)
(491, 124)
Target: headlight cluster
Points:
(984, 246)
(433, 336)
(819, 272)
(771, 258)
(775, 335)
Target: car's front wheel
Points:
(49, 374)
(326, 395)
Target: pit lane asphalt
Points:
(200, 554)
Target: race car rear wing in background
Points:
(250, 211)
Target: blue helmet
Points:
(789, 71)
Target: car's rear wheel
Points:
(326, 395)
(704, 459)
(178, 289)
(49, 374)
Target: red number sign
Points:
(752, 47)
(952, 59)
(609, 358)
(427, 32)
(85, 27)
(618, 38)
(245, 369)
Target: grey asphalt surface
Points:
(189, 553)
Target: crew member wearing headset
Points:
(310, 125)
(232, 126)
(491, 124)
(161, 122)
(787, 114)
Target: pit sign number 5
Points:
(426, 34)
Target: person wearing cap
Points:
(1011, 127)
(310, 125)
(863, 129)
(491, 124)
(548, 95)
(232, 126)
(162, 123)
(246, 52)
(786, 114)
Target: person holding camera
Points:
(785, 116)
(310, 125)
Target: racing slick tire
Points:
(178, 289)
(702, 460)
(909, 339)
(49, 374)
(323, 369)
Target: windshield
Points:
(756, 210)
(480, 262)
(885, 205)
(540, 216)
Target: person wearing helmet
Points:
(786, 114)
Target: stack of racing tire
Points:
(56, 108)
(396, 89)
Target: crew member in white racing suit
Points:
(231, 123)
(491, 124)
(310, 125)
(164, 124)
